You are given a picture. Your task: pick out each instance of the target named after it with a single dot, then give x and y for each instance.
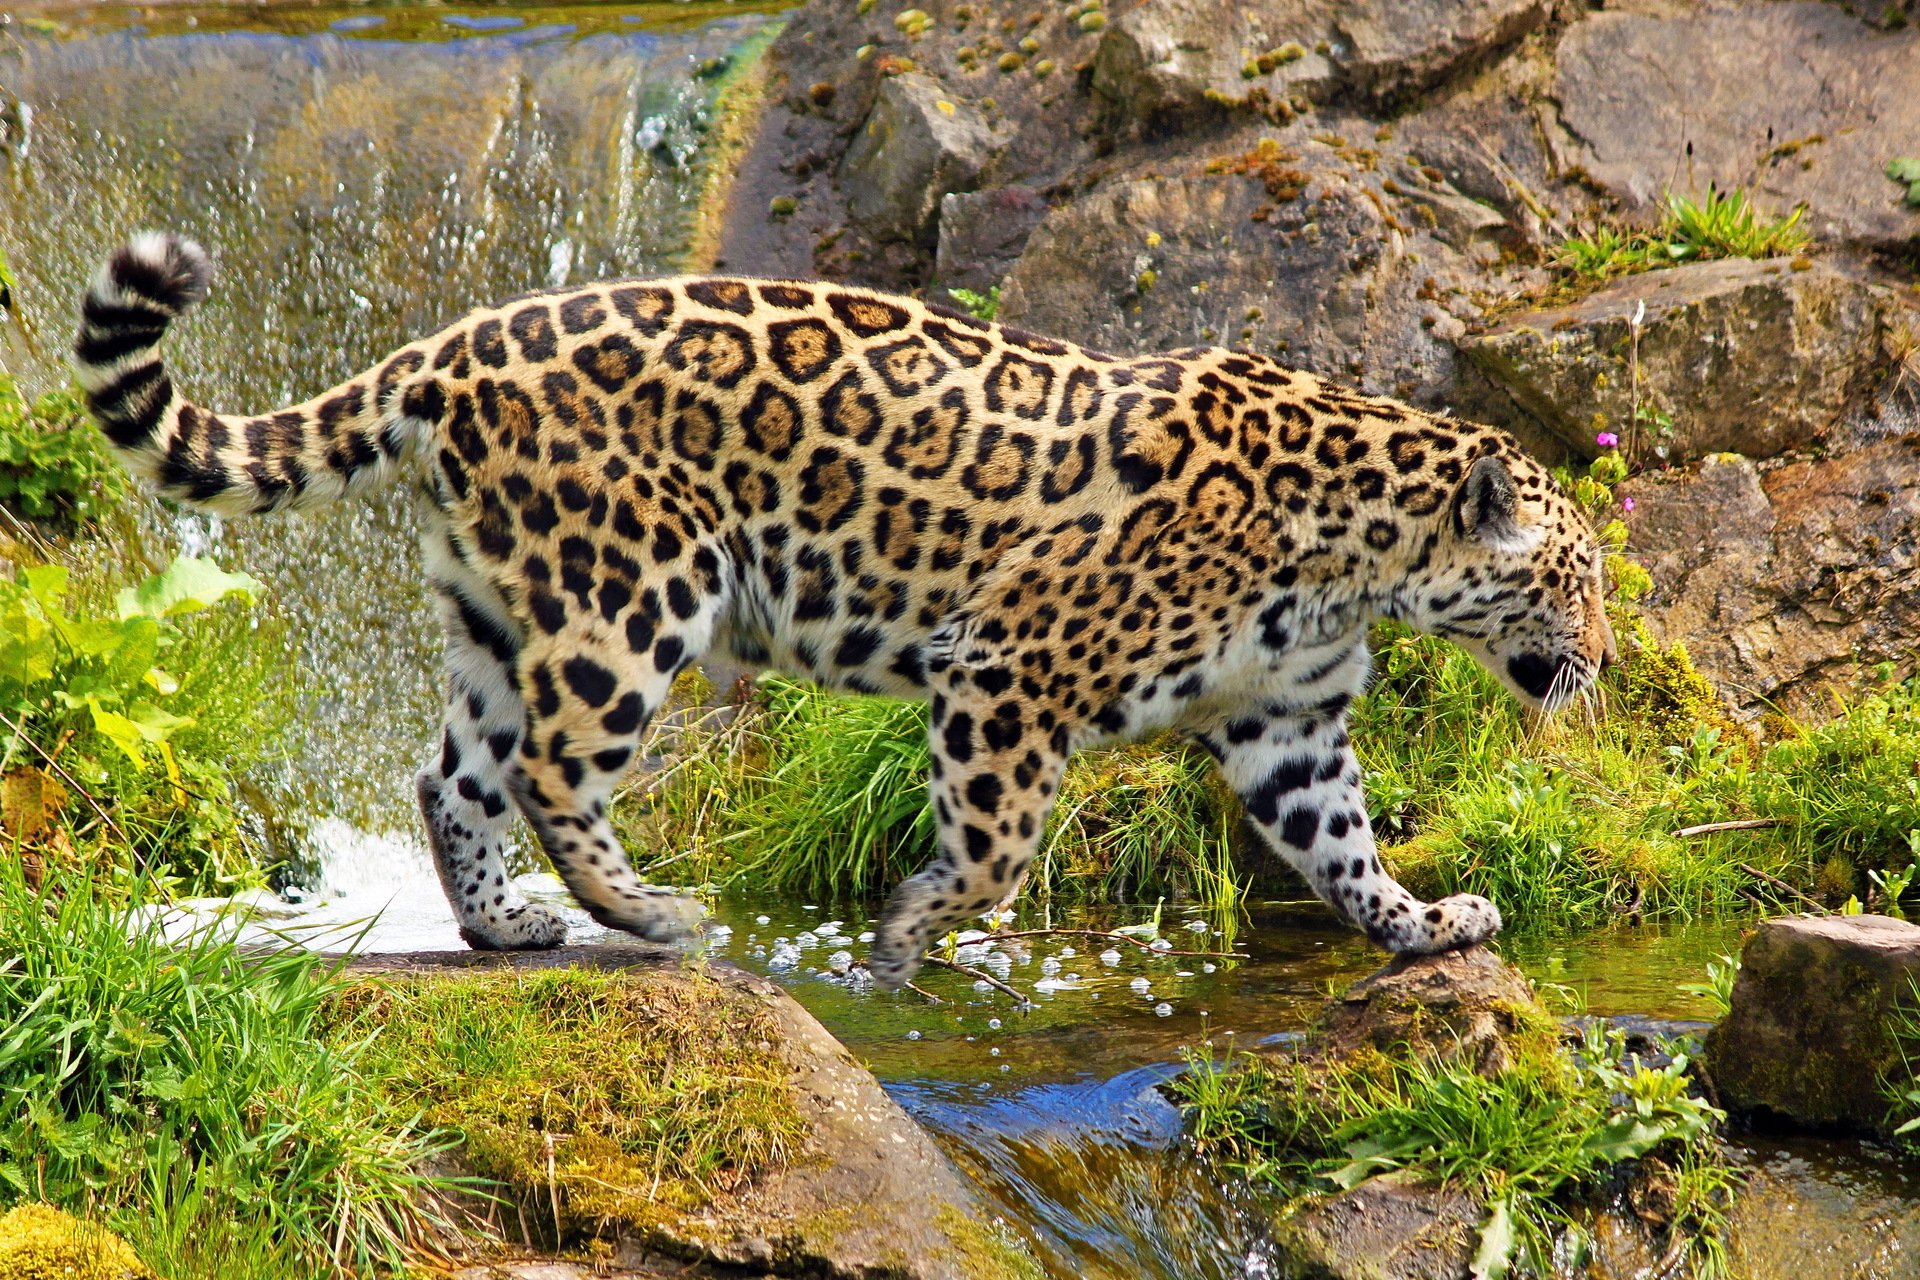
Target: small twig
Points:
(1783, 886)
(979, 976)
(1742, 824)
(1110, 937)
(923, 992)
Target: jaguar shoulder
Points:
(1054, 547)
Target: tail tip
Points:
(164, 270)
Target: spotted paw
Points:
(527, 927)
(1468, 919)
(654, 914)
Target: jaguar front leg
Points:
(1300, 783)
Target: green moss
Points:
(595, 1101)
(985, 1251)
(39, 1242)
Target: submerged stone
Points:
(1810, 1037)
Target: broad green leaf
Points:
(154, 724)
(1495, 1255)
(189, 583)
(46, 583)
(26, 648)
(119, 730)
(1626, 1137)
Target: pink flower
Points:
(1626, 504)
(1606, 440)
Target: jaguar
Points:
(1052, 546)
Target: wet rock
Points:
(870, 1194)
(982, 234)
(1183, 58)
(1801, 93)
(1301, 256)
(920, 142)
(1789, 583)
(1387, 1228)
(1807, 1039)
(1466, 1005)
(1747, 356)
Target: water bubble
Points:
(983, 986)
(1197, 926)
(971, 953)
(827, 926)
(1208, 967)
(970, 935)
(867, 936)
(841, 962)
(1183, 973)
(994, 1052)
(763, 919)
(785, 956)
(1049, 966)
(993, 1024)
(1159, 944)
(913, 1035)
(1067, 953)
(1110, 957)
(1141, 985)
(1163, 1010)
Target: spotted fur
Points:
(1052, 546)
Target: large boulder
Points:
(1190, 57)
(982, 234)
(1786, 583)
(1810, 1037)
(868, 1194)
(1754, 357)
(1387, 1228)
(920, 142)
(1467, 1006)
(1798, 101)
(1298, 247)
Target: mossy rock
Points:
(39, 1242)
(1467, 1006)
(636, 1105)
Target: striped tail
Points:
(351, 438)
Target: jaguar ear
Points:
(1485, 508)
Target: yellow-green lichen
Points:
(985, 1251)
(39, 1242)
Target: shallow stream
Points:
(366, 171)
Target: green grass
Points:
(1531, 1143)
(1724, 225)
(54, 464)
(187, 1095)
(588, 1099)
(1565, 823)
(826, 796)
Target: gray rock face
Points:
(1752, 357)
(982, 234)
(870, 1195)
(1187, 57)
(1316, 274)
(919, 143)
(1807, 1038)
(1737, 82)
(1784, 582)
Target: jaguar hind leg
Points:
(463, 788)
(589, 698)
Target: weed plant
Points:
(54, 465)
(126, 718)
(1724, 225)
(187, 1093)
(1532, 1143)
